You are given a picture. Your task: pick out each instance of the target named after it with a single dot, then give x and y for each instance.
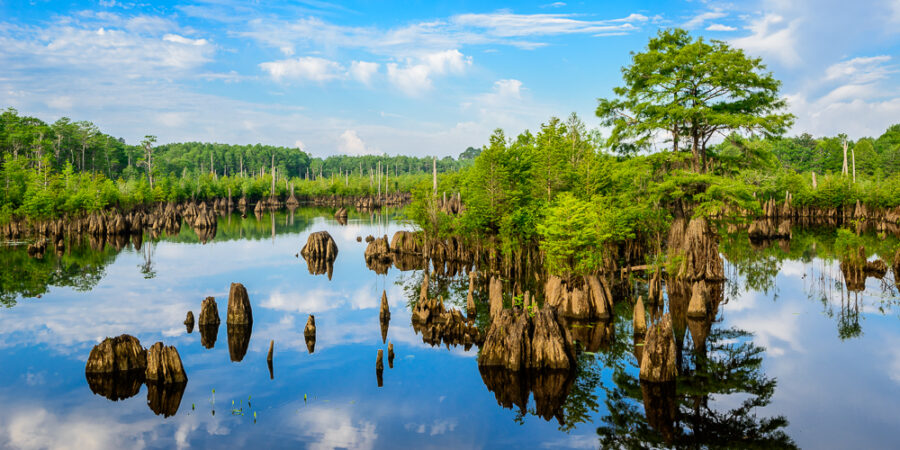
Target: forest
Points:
(71, 167)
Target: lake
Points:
(794, 357)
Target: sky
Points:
(414, 77)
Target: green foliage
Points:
(71, 167)
(690, 90)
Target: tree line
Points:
(71, 166)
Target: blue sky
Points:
(413, 77)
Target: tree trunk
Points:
(844, 167)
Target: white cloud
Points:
(363, 71)
(772, 36)
(351, 144)
(71, 44)
(183, 40)
(504, 24)
(857, 99)
(415, 77)
(554, 5)
(508, 88)
(309, 302)
(504, 28)
(299, 144)
(854, 116)
(27, 428)
(860, 69)
(701, 18)
(719, 27)
(448, 61)
(309, 68)
(334, 428)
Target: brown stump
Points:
(658, 361)
(239, 310)
(119, 354)
(209, 312)
(496, 296)
(640, 317)
(164, 365)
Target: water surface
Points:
(832, 358)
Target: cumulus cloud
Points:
(351, 144)
(415, 76)
(363, 71)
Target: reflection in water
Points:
(309, 333)
(208, 335)
(116, 385)
(165, 399)
(682, 414)
(715, 400)
(238, 340)
(379, 368)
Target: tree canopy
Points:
(690, 90)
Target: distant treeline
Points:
(87, 149)
(69, 167)
(874, 156)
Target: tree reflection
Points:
(754, 266)
(78, 267)
(690, 412)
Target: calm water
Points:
(834, 357)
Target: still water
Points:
(798, 359)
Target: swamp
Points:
(679, 273)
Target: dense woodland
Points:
(71, 167)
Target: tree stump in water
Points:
(320, 245)
(239, 310)
(658, 361)
(639, 320)
(164, 365)
(516, 341)
(119, 354)
(209, 312)
(495, 294)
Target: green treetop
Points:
(691, 90)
